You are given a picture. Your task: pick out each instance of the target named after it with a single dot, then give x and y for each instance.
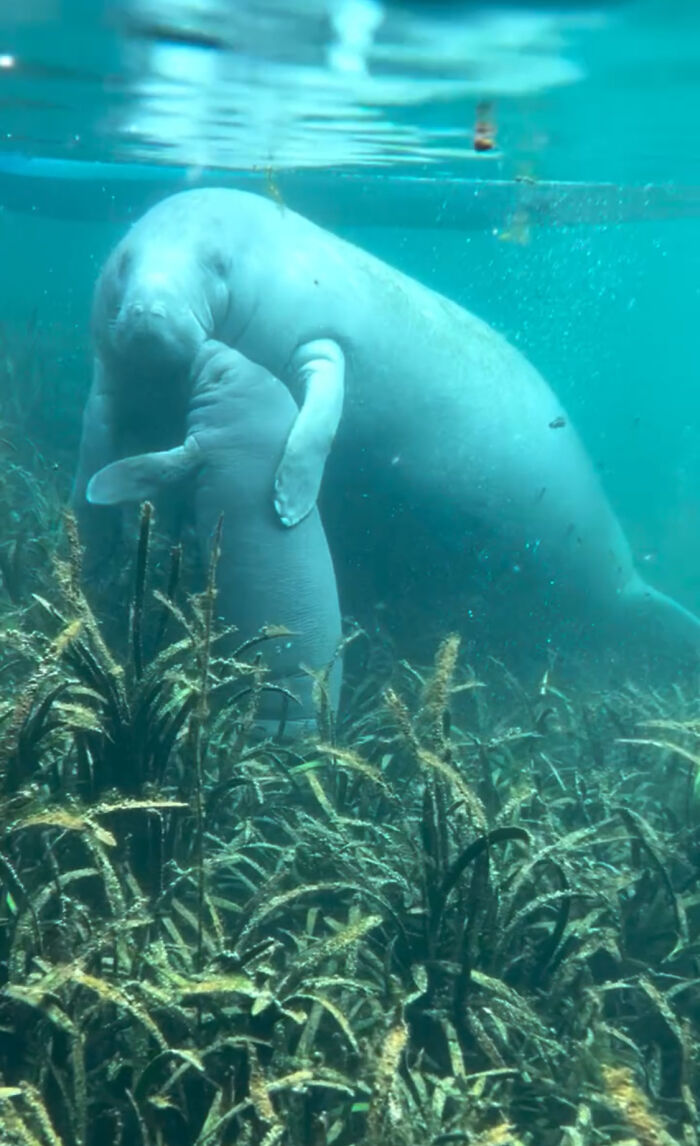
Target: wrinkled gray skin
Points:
(237, 420)
(431, 403)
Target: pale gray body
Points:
(426, 393)
(237, 420)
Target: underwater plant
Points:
(446, 918)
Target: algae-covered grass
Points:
(448, 918)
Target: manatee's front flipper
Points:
(144, 475)
(320, 368)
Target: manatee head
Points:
(155, 321)
(162, 305)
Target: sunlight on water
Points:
(586, 92)
(346, 83)
(326, 83)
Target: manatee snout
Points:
(144, 312)
(156, 329)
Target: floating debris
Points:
(485, 128)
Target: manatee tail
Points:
(660, 636)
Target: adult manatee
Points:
(433, 406)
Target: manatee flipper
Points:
(143, 475)
(320, 369)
